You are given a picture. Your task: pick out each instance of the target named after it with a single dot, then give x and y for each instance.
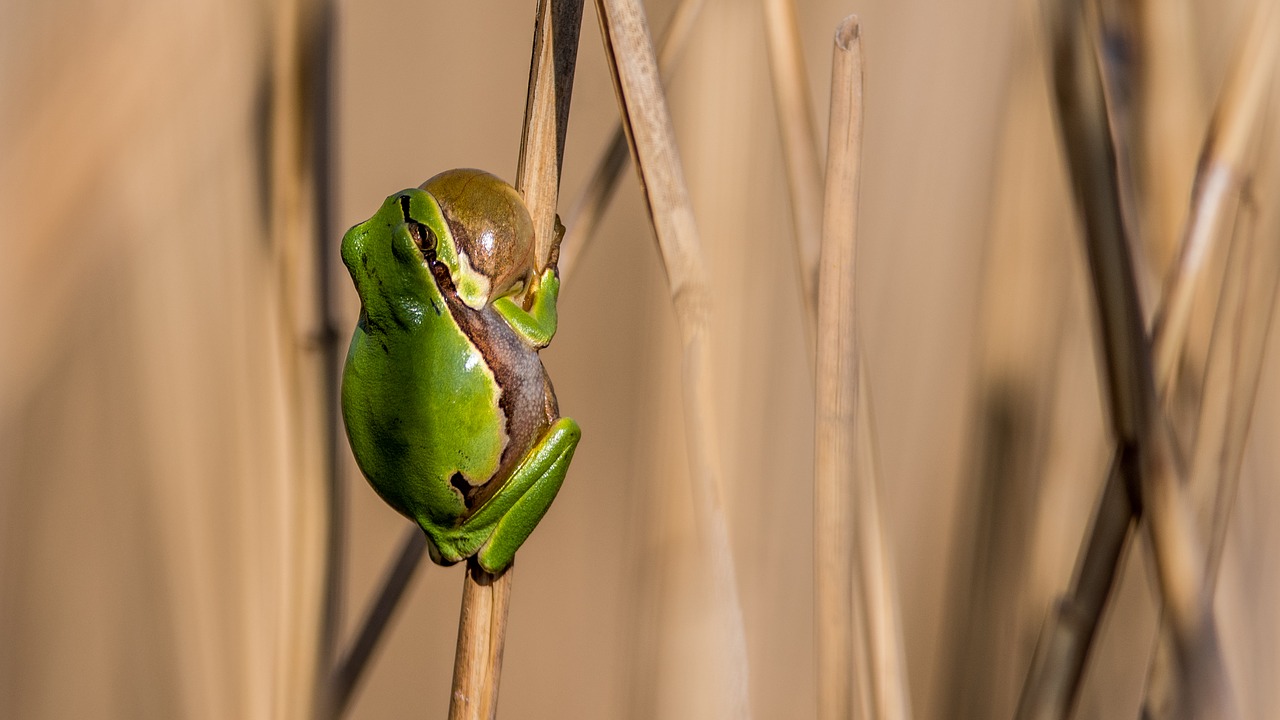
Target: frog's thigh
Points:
(536, 482)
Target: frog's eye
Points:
(424, 238)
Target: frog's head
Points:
(387, 255)
(486, 239)
(473, 223)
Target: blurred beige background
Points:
(158, 435)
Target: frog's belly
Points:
(423, 415)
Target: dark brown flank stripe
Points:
(527, 398)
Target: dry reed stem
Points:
(1221, 177)
(320, 57)
(485, 597)
(1223, 171)
(891, 691)
(351, 666)
(1242, 352)
(1156, 120)
(1234, 364)
(589, 207)
(835, 455)
(1139, 425)
(860, 660)
(482, 632)
(799, 145)
(1169, 121)
(305, 383)
(647, 120)
(546, 115)
(1232, 372)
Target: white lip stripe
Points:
(473, 285)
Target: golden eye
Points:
(424, 238)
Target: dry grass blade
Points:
(799, 143)
(1053, 680)
(485, 598)
(1246, 323)
(860, 659)
(591, 203)
(306, 383)
(396, 580)
(648, 122)
(1135, 413)
(1222, 175)
(1243, 316)
(1156, 118)
(546, 114)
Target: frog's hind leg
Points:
(533, 486)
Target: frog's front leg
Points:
(514, 511)
(537, 325)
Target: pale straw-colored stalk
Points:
(838, 606)
(1219, 211)
(1223, 172)
(305, 383)
(861, 662)
(861, 669)
(647, 120)
(799, 144)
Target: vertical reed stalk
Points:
(860, 660)
(305, 380)
(482, 631)
(799, 144)
(835, 490)
(861, 663)
(485, 597)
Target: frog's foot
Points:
(527, 495)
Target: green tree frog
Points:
(449, 411)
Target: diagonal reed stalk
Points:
(351, 665)
(647, 120)
(1144, 466)
(485, 597)
(1236, 347)
(584, 217)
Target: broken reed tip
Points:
(847, 32)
